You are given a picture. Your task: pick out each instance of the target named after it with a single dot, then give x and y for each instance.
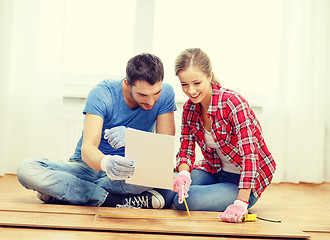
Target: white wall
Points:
(276, 53)
(6, 13)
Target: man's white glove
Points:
(115, 136)
(117, 167)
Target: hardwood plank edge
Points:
(317, 231)
(302, 235)
(47, 211)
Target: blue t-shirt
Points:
(106, 100)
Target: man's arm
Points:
(165, 124)
(90, 153)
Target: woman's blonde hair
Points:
(195, 57)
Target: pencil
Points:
(185, 203)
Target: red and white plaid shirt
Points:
(236, 131)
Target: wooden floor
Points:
(303, 209)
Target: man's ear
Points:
(127, 84)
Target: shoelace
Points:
(136, 202)
(126, 206)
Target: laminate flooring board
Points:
(129, 220)
(301, 207)
(18, 233)
(146, 225)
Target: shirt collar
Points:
(213, 107)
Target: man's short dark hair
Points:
(145, 67)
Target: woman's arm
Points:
(244, 194)
(183, 166)
(242, 120)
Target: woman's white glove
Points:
(115, 136)
(117, 167)
(235, 212)
(181, 184)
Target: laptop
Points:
(153, 155)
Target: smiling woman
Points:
(236, 166)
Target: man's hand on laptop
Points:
(115, 136)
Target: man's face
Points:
(144, 94)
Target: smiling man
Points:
(95, 174)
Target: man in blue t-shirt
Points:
(95, 174)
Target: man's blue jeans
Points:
(75, 182)
(212, 192)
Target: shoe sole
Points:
(43, 197)
(159, 197)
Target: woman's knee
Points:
(195, 201)
(176, 203)
(200, 177)
(213, 197)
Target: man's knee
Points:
(27, 170)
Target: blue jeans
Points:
(212, 192)
(75, 182)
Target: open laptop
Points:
(153, 155)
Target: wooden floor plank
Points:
(17, 233)
(152, 225)
(298, 206)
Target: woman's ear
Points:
(211, 76)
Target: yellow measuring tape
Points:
(248, 218)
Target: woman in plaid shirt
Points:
(237, 165)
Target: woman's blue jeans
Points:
(212, 192)
(75, 182)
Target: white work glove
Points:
(181, 184)
(235, 212)
(117, 167)
(115, 136)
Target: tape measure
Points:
(251, 217)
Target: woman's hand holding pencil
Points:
(181, 184)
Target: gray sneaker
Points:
(149, 199)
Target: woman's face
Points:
(195, 84)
